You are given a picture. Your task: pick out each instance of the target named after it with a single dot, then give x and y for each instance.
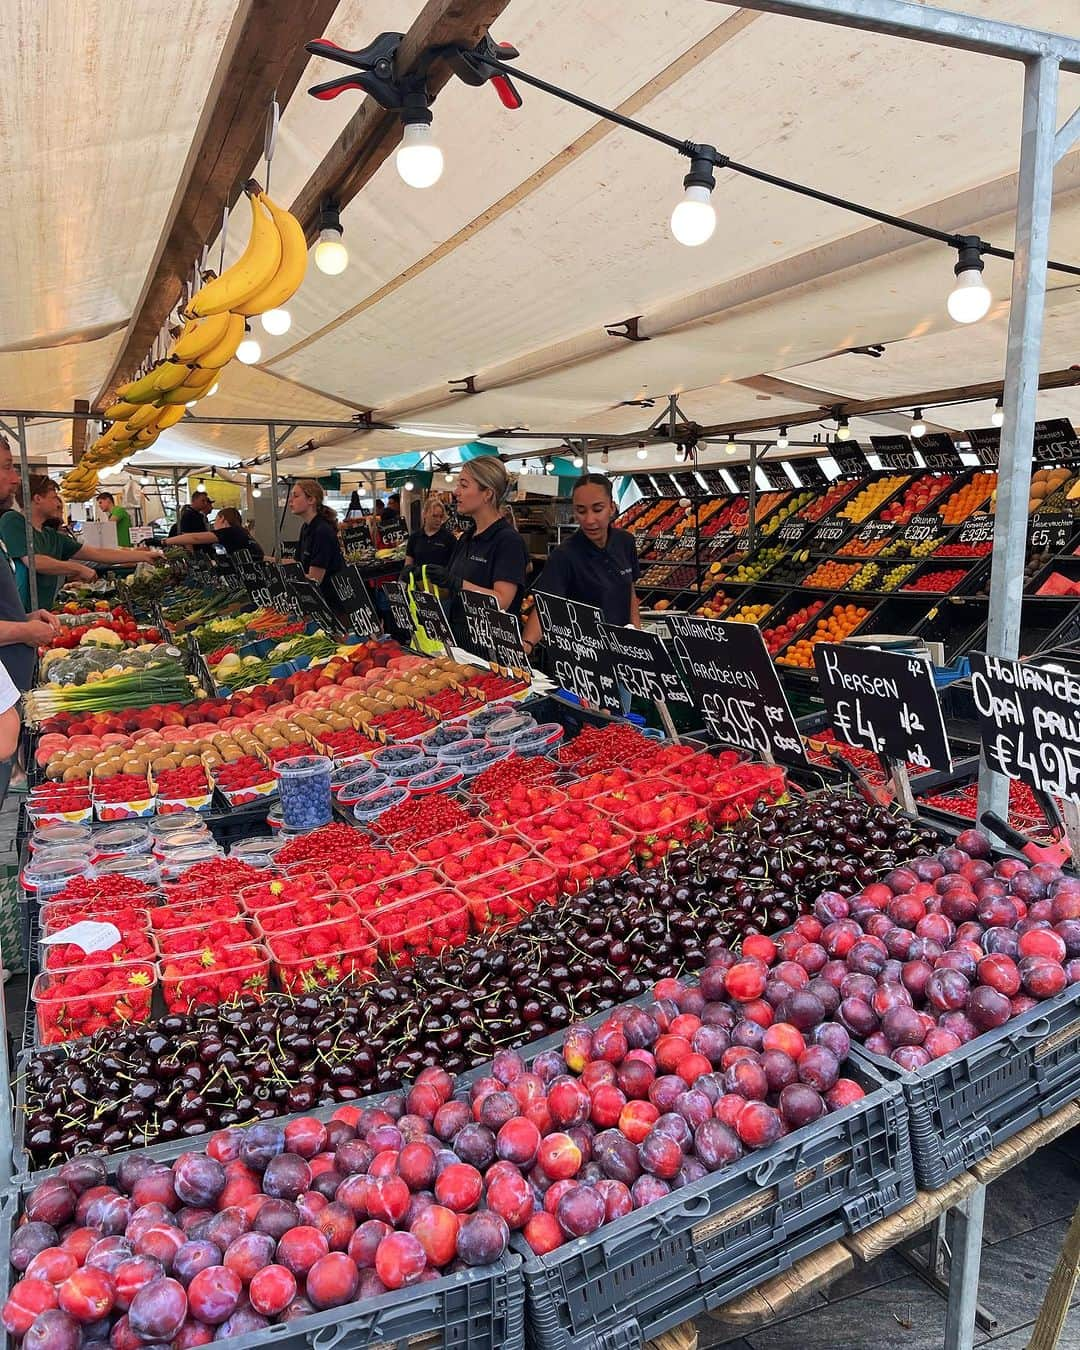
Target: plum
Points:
(483, 1237)
(717, 1145)
(158, 1310)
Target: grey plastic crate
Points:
(478, 1309)
(962, 1106)
(710, 1241)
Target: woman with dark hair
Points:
(228, 531)
(597, 565)
(319, 549)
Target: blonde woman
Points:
(490, 557)
(319, 549)
(432, 544)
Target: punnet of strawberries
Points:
(193, 912)
(524, 800)
(509, 893)
(320, 908)
(75, 1003)
(453, 842)
(133, 945)
(321, 954)
(278, 889)
(218, 973)
(218, 933)
(484, 857)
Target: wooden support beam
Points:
(263, 53)
(78, 429)
(372, 133)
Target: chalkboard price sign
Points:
(939, 453)
(494, 634)
(311, 603)
(282, 599)
(883, 702)
(1028, 723)
(664, 543)
(874, 530)
(736, 685)
(740, 476)
(921, 527)
(1055, 442)
(810, 473)
(977, 529)
(393, 534)
(355, 602)
(581, 662)
(829, 532)
(642, 665)
(433, 618)
(1050, 531)
(895, 452)
(850, 459)
(775, 476)
(792, 531)
(399, 606)
(985, 443)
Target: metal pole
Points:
(963, 1232)
(752, 501)
(24, 467)
(272, 430)
(1027, 307)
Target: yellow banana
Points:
(115, 433)
(252, 270)
(142, 418)
(143, 390)
(170, 374)
(170, 416)
(120, 412)
(193, 387)
(199, 336)
(223, 352)
(290, 273)
(146, 437)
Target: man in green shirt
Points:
(57, 557)
(109, 509)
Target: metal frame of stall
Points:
(1044, 57)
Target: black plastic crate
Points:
(962, 1106)
(708, 1242)
(477, 1309)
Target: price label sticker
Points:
(884, 702)
(87, 934)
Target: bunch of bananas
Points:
(265, 276)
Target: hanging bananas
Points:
(266, 275)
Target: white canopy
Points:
(546, 227)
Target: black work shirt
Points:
(430, 550)
(17, 658)
(497, 553)
(319, 546)
(192, 522)
(602, 577)
(233, 538)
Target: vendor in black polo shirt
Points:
(597, 566)
(490, 556)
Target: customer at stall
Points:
(20, 633)
(57, 556)
(228, 531)
(319, 549)
(490, 558)
(597, 565)
(194, 519)
(432, 544)
(107, 505)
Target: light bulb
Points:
(997, 417)
(212, 390)
(419, 160)
(200, 486)
(729, 449)
(918, 426)
(331, 255)
(277, 321)
(249, 351)
(643, 453)
(409, 485)
(144, 481)
(843, 431)
(970, 299)
(256, 492)
(450, 478)
(782, 441)
(604, 457)
(694, 218)
(577, 462)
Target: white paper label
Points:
(88, 934)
